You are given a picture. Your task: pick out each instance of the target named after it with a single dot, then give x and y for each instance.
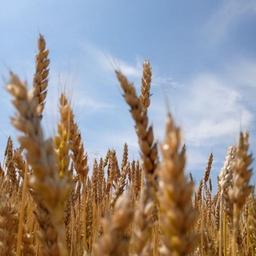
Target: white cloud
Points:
(129, 70)
(214, 110)
(211, 109)
(165, 82)
(91, 103)
(243, 74)
(212, 129)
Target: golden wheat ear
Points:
(50, 191)
(146, 85)
(76, 146)
(241, 189)
(8, 225)
(208, 168)
(61, 140)
(144, 132)
(9, 164)
(41, 76)
(177, 215)
(115, 238)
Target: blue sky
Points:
(202, 53)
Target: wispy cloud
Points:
(166, 82)
(243, 74)
(226, 16)
(109, 62)
(211, 108)
(215, 109)
(92, 104)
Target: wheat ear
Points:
(145, 85)
(177, 215)
(40, 82)
(144, 132)
(115, 240)
(241, 189)
(50, 190)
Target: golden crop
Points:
(50, 205)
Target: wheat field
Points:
(52, 202)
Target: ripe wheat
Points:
(52, 203)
